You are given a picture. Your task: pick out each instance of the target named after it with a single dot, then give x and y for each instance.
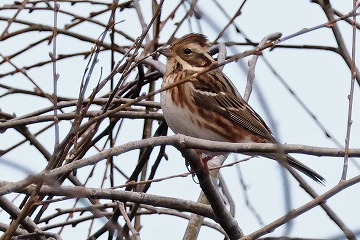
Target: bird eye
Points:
(187, 51)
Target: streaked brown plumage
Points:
(209, 106)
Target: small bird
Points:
(209, 106)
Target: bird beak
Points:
(166, 51)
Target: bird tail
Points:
(298, 166)
(305, 169)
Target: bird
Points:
(208, 106)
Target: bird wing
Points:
(218, 95)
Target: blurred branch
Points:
(313, 203)
(328, 10)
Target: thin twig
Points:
(252, 64)
(350, 97)
(135, 233)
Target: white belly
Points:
(183, 121)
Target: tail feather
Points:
(298, 166)
(305, 169)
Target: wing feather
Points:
(229, 104)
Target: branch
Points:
(222, 215)
(123, 196)
(311, 204)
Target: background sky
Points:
(320, 79)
